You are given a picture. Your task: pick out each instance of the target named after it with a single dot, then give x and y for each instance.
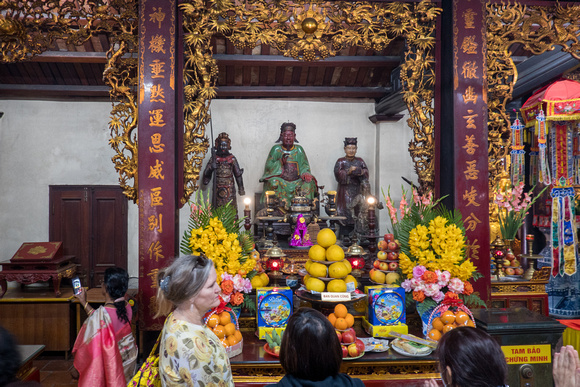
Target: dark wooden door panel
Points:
(109, 209)
(68, 220)
(91, 221)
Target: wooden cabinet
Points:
(36, 316)
(526, 294)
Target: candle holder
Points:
(330, 205)
(531, 258)
(497, 257)
(247, 214)
(270, 202)
(355, 256)
(275, 261)
(372, 237)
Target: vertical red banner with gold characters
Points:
(470, 111)
(156, 138)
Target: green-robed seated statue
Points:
(287, 171)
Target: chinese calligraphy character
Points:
(471, 222)
(472, 250)
(155, 249)
(469, 17)
(157, 16)
(157, 69)
(156, 223)
(156, 44)
(156, 142)
(470, 146)
(157, 94)
(154, 275)
(468, 70)
(470, 95)
(471, 119)
(156, 171)
(471, 172)
(471, 196)
(156, 118)
(156, 198)
(469, 45)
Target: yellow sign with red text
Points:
(530, 354)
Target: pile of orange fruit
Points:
(221, 324)
(341, 319)
(447, 321)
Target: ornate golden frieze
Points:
(309, 31)
(538, 29)
(28, 28)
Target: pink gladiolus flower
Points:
(416, 197)
(418, 271)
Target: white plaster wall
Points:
(46, 143)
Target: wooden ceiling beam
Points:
(9, 91)
(279, 60)
(300, 92)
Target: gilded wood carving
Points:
(309, 31)
(539, 29)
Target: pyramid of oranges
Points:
(340, 318)
(448, 320)
(224, 328)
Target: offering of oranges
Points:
(340, 318)
(224, 328)
(446, 321)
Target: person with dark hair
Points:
(310, 353)
(189, 352)
(470, 357)
(105, 352)
(10, 361)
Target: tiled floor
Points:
(55, 370)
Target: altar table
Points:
(29, 272)
(254, 367)
(27, 371)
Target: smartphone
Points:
(76, 282)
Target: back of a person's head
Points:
(116, 281)
(310, 348)
(9, 357)
(474, 358)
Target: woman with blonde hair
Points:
(190, 353)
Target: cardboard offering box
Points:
(385, 310)
(274, 307)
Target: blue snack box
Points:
(386, 305)
(273, 308)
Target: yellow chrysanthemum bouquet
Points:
(216, 233)
(432, 259)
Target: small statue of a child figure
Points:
(227, 171)
(359, 210)
(300, 237)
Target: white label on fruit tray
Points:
(326, 296)
(350, 287)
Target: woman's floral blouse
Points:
(192, 355)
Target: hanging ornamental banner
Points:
(157, 151)
(517, 153)
(563, 208)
